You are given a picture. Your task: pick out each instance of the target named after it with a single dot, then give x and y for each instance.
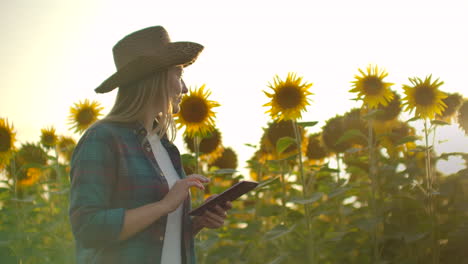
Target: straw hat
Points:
(147, 51)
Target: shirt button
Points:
(161, 238)
(148, 148)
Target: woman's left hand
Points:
(213, 218)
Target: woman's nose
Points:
(184, 87)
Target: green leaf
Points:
(277, 232)
(278, 260)
(328, 169)
(250, 145)
(372, 114)
(353, 150)
(350, 134)
(338, 191)
(410, 238)
(266, 182)
(407, 139)
(445, 156)
(439, 123)
(418, 149)
(224, 171)
(188, 159)
(307, 124)
(312, 199)
(283, 143)
(413, 119)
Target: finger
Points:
(214, 216)
(220, 211)
(227, 206)
(214, 223)
(199, 177)
(195, 184)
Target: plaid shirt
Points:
(113, 169)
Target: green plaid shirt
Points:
(113, 169)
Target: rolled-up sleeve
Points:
(93, 176)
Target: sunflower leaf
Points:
(307, 124)
(283, 143)
(439, 123)
(413, 119)
(188, 159)
(224, 171)
(418, 149)
(278, 231)
(372, 114)
(315, 197)
(350, 134)
(407, 139)
(266, 182)
(250, 145)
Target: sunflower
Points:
(463, 116)
(333, 130)
(7, 141)
(394, 134)
(29, 161)
(315, 148)
(289, 97)
(424, 97)
(453, 102)
(391, 110)
(48, 137)
(84, 114)
(371, 88)
(196, 112)
(228, 160)
(65, 147)
(275, 131)
(352, 120)
(210, 145)
(32, 175)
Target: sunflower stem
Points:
(374, 190)
(304, 190)
(338, 202)
(57, 167)
(431, 199)
(15, 178)
(283, 195)
(196, 145)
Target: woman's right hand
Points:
(180, 190)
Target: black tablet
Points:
(231, 194)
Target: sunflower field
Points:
(363, 189)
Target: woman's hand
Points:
(180, 190)
(213, 218)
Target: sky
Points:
(55, 52)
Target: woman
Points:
(130, 198)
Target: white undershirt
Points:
(171, 253)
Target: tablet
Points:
(231, 194)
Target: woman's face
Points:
(176, 87)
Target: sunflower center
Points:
(5, 140)
(194, 110)
(289, 97)
(372, 85)
(49, 139)
(424, 95)
(85, 116)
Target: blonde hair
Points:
(134, 100)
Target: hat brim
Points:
(176, 53)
